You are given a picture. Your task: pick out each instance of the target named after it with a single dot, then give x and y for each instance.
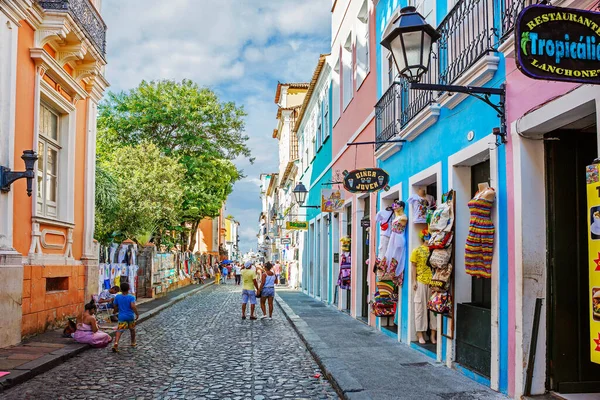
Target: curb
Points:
(346, 386)
(45, 363)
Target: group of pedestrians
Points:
(223, 272)
(254, 286)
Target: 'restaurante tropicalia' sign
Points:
(558, 44)
(366, 180)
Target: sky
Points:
(238, 48)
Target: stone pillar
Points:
(145, 262)
(11, 297)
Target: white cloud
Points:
(240, 48)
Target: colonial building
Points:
(52, 58)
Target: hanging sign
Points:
(296, 225)
(286, 241)
(365, 223)
(558, 44)
(366, 180)
(332, 200)
(593, 217)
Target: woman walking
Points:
(267, 289)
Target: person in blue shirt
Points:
(224, 274)
(127, 310)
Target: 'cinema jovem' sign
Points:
(558, 44)
(366, 180)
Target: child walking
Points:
(125, 305)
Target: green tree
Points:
(149, 190)
(186, 122)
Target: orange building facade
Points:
(52, 58)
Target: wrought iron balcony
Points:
(468, 33)
(84, 14)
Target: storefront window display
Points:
(344, 278)
(394, 260)
(480, 240)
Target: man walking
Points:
(224, 274)
(249, 287)
(217, 272)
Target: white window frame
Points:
(347, 71)
(326, 115)
(335, 92)
(319, 128)
(362, 49)
(65, 199)
(46, 207)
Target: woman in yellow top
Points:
(421, 276)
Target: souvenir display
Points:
(421, 280)
(421, 204)
(441, 229)
(384, 219)
(392, 264)
(479, 248)
(118, 265)
(344, 277)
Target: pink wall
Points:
(523, 95)
(351, 119)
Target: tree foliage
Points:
(149, 195)
(185, 123)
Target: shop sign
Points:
(366, 180)
(365, 223)
(286, 241)
(593, 217)
(296, 225)
(558, 44)
(332, 200)
(336, 257)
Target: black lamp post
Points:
(7, 177)
(300, 194)
(279, 220)
(411, 42)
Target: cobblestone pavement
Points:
(198, 349)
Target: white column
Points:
(8, 67)
(90, 181)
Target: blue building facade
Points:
(314, 129)
(450, 146)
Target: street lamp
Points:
(411, 42)
(7, 177)
(279, 220)
(300, 194)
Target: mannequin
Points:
(421, 202)
(393, 262)
(479, 248)
(384, 219)
(421, 277)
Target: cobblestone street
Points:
(198, 349)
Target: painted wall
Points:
(439, 145)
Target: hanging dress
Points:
(480, 240)
(395, 256)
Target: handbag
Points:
(386, 224)
(440, 302)
(440, 281)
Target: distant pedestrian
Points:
(238, 273)
(128, 315)
(267, 289)
(277, 271)
(224, 273)
(249, 286)
(217, 272)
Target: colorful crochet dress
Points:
(480, 241)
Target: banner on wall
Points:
(296, 225)
(332, 200)
(593, 202)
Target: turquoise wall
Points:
(446, 137)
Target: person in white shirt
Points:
(238, 274)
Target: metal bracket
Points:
(480, 93)
(7, 177)
(377, 142)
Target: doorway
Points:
(319, 264)
(364, 282)
(349, 234)
(569, 369)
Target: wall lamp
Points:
(411, 42)
(300, 194)
(7, 177)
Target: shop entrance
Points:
(364, 265)
(349, 234)
(569, 369)
(474, 319)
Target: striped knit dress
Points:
(480, 241)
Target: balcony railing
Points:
(86, 15)
(472, 29)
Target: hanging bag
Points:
(386, 224)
